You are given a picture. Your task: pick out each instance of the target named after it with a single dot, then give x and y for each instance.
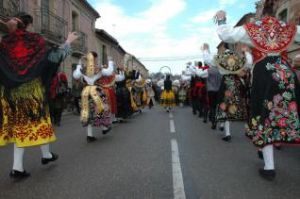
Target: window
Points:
(75, 21)
(104, 55)
(283, 15)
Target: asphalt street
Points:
(136, 161)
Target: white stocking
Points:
(227, 128)
(18, 158)
(222, 125)
(268, 157)
(46, 151)
(104, 128)
(90, 131)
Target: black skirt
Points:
(232, 99)
(274, 104)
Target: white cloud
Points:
(145, 34)
(225, 3)
(204, 16)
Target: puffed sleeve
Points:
(109, 70)
(201, 73)
(208, 58)
(229, 34)
(77, 72)
(120, 77)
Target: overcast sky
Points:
(166, 32)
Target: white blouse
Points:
(230, 34)
(120, 77)
(109, 70)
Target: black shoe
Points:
(18, 174)
(47, 160)
(260, 154)
(227, 138)
(90, 139)
(204, 121)
(267, 174)
(221, 128)
(104, 132)
(213, 126)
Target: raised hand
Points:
(204, 47)
(72, 37)
(220, 15)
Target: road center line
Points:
(171, 115)
(178, 186)
(172, 126)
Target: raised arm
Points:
(230, 34)
(208, 57)
(109, 70)
(63, 51)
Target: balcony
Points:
(52, 27)
(79, 46)
(9, 8)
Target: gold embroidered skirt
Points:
(24, 116)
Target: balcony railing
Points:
(79, 46)
(52, 26)
(9, 8)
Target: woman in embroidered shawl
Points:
(275, 100)
(27, 68)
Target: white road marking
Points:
(172, 126)
(178, 186)
(170, 115)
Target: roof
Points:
(107, 36)
(91, 8)
(102, 33)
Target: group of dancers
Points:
(110, 94)
(256, 84)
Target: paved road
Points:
(136, 161)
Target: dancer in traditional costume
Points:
(275, 94)
(58, 97)
(213, 84)
(107, 83)
(168, 96)
(95, 109)
(139, 91)
(150, 93)
(123, 96)
(27, 68)
(232, 96)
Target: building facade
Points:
(54, 19)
